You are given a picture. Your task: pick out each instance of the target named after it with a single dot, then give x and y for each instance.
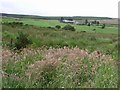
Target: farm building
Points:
(67, 21)
(70, 21)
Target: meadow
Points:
(52, 23)
(59, 58)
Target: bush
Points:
(22, 40)
(58, 26)
(51, 27)
(83, 31)
(97, 22)
(88, 24)
(94, 29)
(14, 24)
(103, 26)
(69, 27)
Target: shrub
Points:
(94, 29)
(83, 31)
(88, 24)
(22, 40)
(58, 26)
(69, 27)
(97, 22)
(14, 24)
(51, 27)
(103, 26)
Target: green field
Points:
(53, 23)
(59, 58)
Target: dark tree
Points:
(62, 18)
(97, 22)
(86, 21)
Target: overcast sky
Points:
(102, 8)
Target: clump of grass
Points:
(69, 27)
(43, 72)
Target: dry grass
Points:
(69, 65)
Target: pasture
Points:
(59, 58)
(52, 23)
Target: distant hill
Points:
(52, 17)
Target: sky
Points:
(101, 8)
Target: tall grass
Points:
(60, 59)
(107, 43)
(57, 68)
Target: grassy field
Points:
(60, 58)
(53, 23)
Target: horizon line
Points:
(55, 15)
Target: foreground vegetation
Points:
(58, 58)
(58, 68)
